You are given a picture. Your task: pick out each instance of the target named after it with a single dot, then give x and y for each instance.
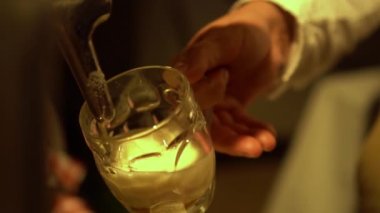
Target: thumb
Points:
(211, 51)
(211, 90)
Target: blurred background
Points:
(138, 33)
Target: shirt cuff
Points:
(284, 81)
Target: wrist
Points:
(280, 27)
(279, 24)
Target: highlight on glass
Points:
(155, 155)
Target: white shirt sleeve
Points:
(326, 30)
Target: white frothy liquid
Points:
(166, 180)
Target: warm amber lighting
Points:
(161, 162)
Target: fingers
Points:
(236, 133)
(211, 90)
(227, 141)
(248, 127)
(238, 112)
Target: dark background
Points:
(140, 32)
(152, 33)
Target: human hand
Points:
(232, 61)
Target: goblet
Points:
(155, 155)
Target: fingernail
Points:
(267, 141)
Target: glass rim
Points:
(148, 130)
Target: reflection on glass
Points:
(156, 154)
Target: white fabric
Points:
(326, 30)
(319, 173)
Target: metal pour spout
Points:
(76, 22)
